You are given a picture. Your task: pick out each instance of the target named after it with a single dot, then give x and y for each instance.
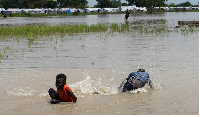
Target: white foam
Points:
(139, 90)
(114, 89)
(42, 95)
(22, 91)
(88, 86)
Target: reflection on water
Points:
(96, 64)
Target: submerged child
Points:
(63, 93)
(136, 80)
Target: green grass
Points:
(46, 30)
(162, 28)
(119, 27)
(32, 31)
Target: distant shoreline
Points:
(79, 14)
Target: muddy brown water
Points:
(98, 62)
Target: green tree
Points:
(172, 5)
(132, 2)
(31, 6)
(10, 3)
(62, 3)
(124, 4)
(83, 4)
(73, 3)
(79, 3)
(33, 3)
(51, 4)
(115, 3)
(104, 3)
(108, 3)
(185, 4)
(25, 3)
(147, 3)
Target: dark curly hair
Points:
(59, 76)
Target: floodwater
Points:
(98, 62)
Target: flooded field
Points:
(98, 62)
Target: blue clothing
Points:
(135, 80)
(142, 76)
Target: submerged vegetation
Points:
(35, 32)
(161, 27)
(42, 30)
(143, 27)
(46, 30)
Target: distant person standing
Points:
(4, 16)
(127, 14)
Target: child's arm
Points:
(72, 95)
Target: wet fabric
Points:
(135, 80)
(141, 76)
(64, 96)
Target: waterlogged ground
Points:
(98, 62)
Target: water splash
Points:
(156, 85)
(88, 86)
(91, 87)
(139, 90)
(155, 77)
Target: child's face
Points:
(60, 83)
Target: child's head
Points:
(141, 70)
(59, 76)
(60, 80)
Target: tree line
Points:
(158, 3)
(43, 3)
(185, 4)
(83, 3)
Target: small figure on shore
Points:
(4, 16)
(127, 14)
(63, 93)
